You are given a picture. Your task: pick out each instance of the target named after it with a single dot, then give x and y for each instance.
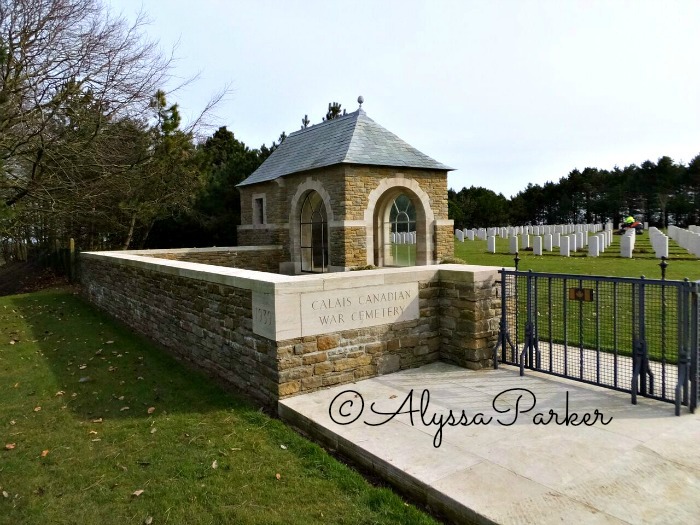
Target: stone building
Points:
(347, 193)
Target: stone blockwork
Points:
(209, 316)
(313, 362)
(202, 322)
(258, 258)
(353, 208)
(469, 318)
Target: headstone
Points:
(525, 241)
(556, 242)
(491, 244)
(579, 240)
(548, 242)
(627, 245)
(513, 244)
(662, 250)
(537, 245)
(470, 235)
(460, 235)
(593, 247)
(572, 242)
(564, 247)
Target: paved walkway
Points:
(642, 467)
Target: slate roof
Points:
(351, 139)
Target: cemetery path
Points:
(493, 463)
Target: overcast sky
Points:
(505, 92)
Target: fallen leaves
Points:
(283, 447)
(60, 393)
(137, 493)
(122, 409)
(44, 453)
(37, 409)
(151, 410)
(10, 446)
(98, 420)
(278, 476)
(215, 464)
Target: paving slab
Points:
(472, 445)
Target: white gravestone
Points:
(593, 247)
(513, 244)
(537, 245)
(564, 247)
(548, 242)
(491, 244)
(627, 245)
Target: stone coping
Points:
(209, 249)
(288, 284)
(286, 307)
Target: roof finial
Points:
(360, 100)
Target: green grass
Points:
(404, 254)
(100, 453)
(681, 264)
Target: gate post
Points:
(531, 351)
(503, 333)
(694, 346)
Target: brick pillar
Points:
(444, 241)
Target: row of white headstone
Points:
(659, 242)
(596, 243)
(506, 232)
(627, 243)
(403, 237)
(688, 239)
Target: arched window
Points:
(314, 234)
(400, 241)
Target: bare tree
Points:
(51, 53)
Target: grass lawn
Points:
(681, 264)
(99, 426)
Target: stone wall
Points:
(256, 330)
(313, 362)
(258, 258)
(444, 241)
(199, 321)
(469, 317)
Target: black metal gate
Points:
(635, 335)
